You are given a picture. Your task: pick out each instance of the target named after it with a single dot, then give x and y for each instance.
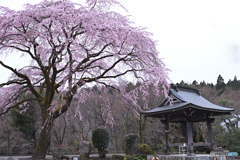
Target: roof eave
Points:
(190, 105)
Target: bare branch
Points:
(16, 104)
(31, 87)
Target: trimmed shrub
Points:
(100, 140)
(131, 141)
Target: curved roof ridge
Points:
(187, 97)
(185, 88)
(177, 95)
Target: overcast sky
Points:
(197, 39)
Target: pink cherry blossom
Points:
(73, 47)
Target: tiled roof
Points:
(184, 97)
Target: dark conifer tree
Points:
(220, 83)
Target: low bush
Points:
(130, 157)
(203, 149)
(144, 149)
(117, 157)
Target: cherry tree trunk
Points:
(43, 143)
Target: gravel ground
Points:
(92, 156)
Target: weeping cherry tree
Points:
(70, 47)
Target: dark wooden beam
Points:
(190, 138)
(181, 119)
(209, 125)
(165, 137)
(184, 131)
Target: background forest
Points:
(18, 131)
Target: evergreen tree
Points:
(203, 83)
(194, 83)
(220, 83)
(24, 118)
(235, 83)
(25, 122)
(100, 140)
(182, 83)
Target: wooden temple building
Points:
(187, 106)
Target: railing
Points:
(27, 151)
(194, 144)
(63, 149)
(201, 144)
(12, 151)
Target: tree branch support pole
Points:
(210, 133)
(190, 138)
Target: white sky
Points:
(198, 39)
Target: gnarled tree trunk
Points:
(43, 141)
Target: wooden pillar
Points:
(210, 133)
(190, 138)
(165, 137)
(184, 130)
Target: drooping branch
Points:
(123, 73)
(89, 56)
(16, 104)
(31, 87)
(19, 82)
